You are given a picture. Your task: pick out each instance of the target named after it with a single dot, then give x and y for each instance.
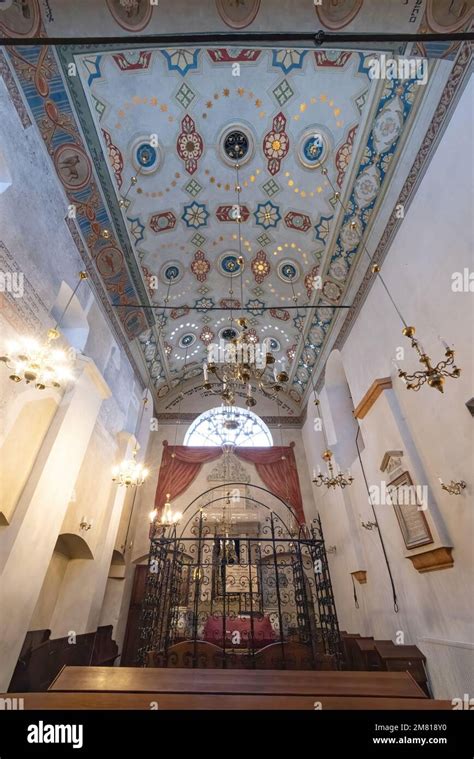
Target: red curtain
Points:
(276, 466)
(180, 465)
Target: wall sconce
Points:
(85, 524)
(369, 525)
(454, 488)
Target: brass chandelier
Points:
(433, 376)
(41, 363)
(331, 480)
(244, 363)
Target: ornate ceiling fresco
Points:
(176, 120)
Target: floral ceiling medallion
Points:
(238, 13)
(276, 144)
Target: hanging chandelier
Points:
(244, 364)
(431, 375)
(130, 473)
(41, 363)
(331, 480)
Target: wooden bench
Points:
(235, 682)
(188, 701)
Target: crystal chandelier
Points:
(41, 363)
(244, 363)
(331, 480)
(129, 472)
(169, 517)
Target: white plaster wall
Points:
(436, 432)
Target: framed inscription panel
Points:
(407, 501)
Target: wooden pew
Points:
(233, 682)
(187, 701)
(401, 658)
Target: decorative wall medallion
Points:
(448, 16)
(195, 215)
(388, 125)
(255, 307)
(162, 222)
(187, 340)
(300, 222)
(206, 336)
(275, 345)
(280, 313)
(236, 145)
(171, 272)
(338, 269)
(203, 305)
(267, 215)
(313, 147)
(21, 19)
(134, 323)
(72, 165)
(115, 158)
(230, 213)
(367, 186)
(338, 14)
(189, 144)
(238, 13)
(288, 271)
(332, 291)
(228, 333)
(133, 15)
(109, 261)
(228, 264)
(200, 266)
(229, 303)
(276, 144)
(260, 267)
(146, 157)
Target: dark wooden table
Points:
(235, 682)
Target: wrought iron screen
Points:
(241, 593)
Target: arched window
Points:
(228, 426)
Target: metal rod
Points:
(303, 39)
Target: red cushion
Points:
(263, 633)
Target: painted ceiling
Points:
(145, 141)
(170, 119)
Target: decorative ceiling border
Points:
(295, 422)
(446, 105)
